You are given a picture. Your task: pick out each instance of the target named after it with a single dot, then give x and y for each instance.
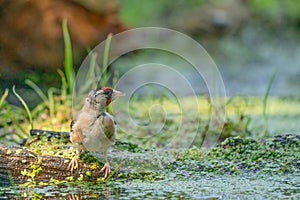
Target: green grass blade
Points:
(37, 90)
(115, 78)
(3, 97)
(68, 56)
(25, 106)
(265, 100)
(94, 71)
(51, 102)
(105, 60)
(64, 87)
(92, 74)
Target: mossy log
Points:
(18, 164)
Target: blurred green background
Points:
(248, 39)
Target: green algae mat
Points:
(241, 168)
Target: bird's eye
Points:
(107, 92)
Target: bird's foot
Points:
(73, 163)
(106, 170)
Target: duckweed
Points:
(235, 158)
(280, 154)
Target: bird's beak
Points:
(116, 94)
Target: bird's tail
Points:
(57, 134)
(47, 133)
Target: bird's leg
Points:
(106, 167)
(74, 161)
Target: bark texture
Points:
(15, 160)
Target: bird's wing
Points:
(109, 127)
(71, 125)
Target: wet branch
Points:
(23, 164)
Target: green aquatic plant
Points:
(64, 86)
(104, 80)
(68, 56)
(25, 106)
(50, 100)
(3, 97)
(265, 101)
(37, 90)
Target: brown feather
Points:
(71, 125)
(108, 127)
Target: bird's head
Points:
(100, 98)
(108, 94)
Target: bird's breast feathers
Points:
(94, 133)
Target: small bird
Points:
(93, 129)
